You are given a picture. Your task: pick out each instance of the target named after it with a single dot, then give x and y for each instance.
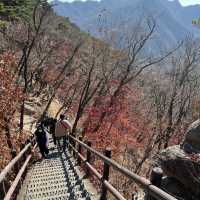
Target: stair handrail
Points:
(154, 191)
(25, 154)
(12, 163)
(12, 188)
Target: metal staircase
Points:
(58, 177)
(54, 178)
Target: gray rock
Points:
(178, 165)
(174, 187)
(192, 136)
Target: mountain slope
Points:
(174, 22)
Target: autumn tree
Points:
(111, 116)
(174, 91)
(11, 96)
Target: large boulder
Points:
(178, 165)
(172, 186)
(192, 137)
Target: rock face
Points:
(172, 186)
(178, 165)
(192, 137)
(181, 169)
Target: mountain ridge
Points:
(174, 21)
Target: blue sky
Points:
(189, 2)
(183, 2)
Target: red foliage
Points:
(11, 95)
(121, 125)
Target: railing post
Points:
(88, 158)
(14, 154)
(105, 175)
(156, 179)
(24, 156)
(79, 151)
(27, 142)
(2, 190)
(32, 140)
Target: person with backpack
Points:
(42, 139)
(52, 127)
(62, 129)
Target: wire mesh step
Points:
(54, 178)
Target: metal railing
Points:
(153, 191)
(7, 190)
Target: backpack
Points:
(40, 135)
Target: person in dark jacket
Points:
(52, 127)
(41, 139)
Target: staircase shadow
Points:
(67, 178)
(63, 165)
(76, 165)
(67, 157)
(53, 155)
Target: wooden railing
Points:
(154, 192)
(7, 190)
(149, 187)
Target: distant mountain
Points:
(174, 22)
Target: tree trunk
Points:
(8, 136)
(21, 124)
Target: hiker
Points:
(42, 139)
(52, 127)
(63, 127)
(45, 115)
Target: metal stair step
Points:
(50, 193)
(57, 190)
(58, 176)
(61, 197)
(54, 178)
